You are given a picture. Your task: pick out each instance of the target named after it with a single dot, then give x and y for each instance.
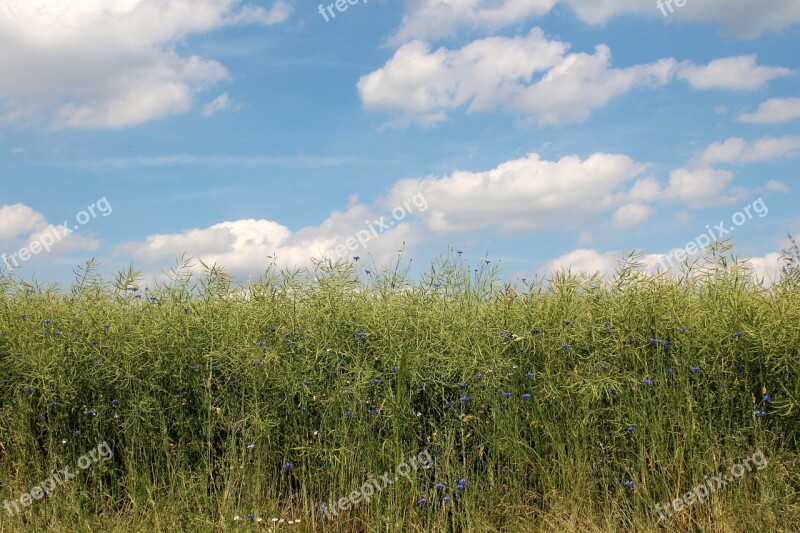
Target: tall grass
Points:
(577, 404)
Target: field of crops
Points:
(350, 398)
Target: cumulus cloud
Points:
(21, 226)
(773, 111)
(528, 194)
(630, 215)
(529, 74)
(432, 19)
(589, 261)
(702, 187)
(134, 76)
(19, 219)
(738, 150)
(252, 244)
(733, 73)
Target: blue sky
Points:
(544, 133)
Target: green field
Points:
(575, 404)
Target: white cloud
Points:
(432, 19)
(21, 225)
(528, 194)
(220, 103)
(95, 64)
(630, 215)
(19, 219)
(530, 75)
(702, 187)
(589, 261)
(776, 186)
(732, 73)
(736, 149)
(773, 111)
(249, 245)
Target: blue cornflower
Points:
(347, 413)
(565, 346)
(288, 466)
(612, 390)
(667, 343)
(46, 321)
(91, 412)
(628, 483)
(647, 382)
(304, 409)
(361, 335)
(487, 261)
(53, 405)
(394, 370)
(255, 363)
(529, 375)
(422, 501)
(214, 364)
(194, 366)
(767, 398)
(251, 516)
(29, 390)
(606, 324)
(114, 402)
(695, 369)
(23, 316)
(464, 399)
(738, 335)
(374, 381)
(478, 376)
(461, 386)
(77, 432)
(307, 382)
(654, 340)
(525, 396)
(372, 411)
(446, 499)
(41, 419)
(567, 322)
(631, 429)
(106, 326)
(356, 258)
(262, 344)
(506, 395)
(761, 413)
(536, 331)
(459, 252)
(439, 486)
(449, 403)
(367, 272)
